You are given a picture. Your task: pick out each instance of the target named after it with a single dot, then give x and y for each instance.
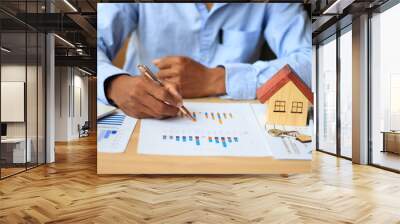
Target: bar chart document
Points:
(114, 132)
(219, 130)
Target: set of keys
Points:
(280, 133)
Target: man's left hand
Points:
(193, 78)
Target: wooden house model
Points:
(288, 98)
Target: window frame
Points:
(296, 107)
(278, 105)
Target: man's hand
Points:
(193, 79)
(139, 97)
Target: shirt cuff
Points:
(106, 71)
(240, 80)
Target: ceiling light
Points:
(337, 7)
(70, 5)
(84, 71)
(5, 50)
(65, 41)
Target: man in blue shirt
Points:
(199, 49)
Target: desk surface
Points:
(130, 162)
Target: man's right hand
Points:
(139, 97)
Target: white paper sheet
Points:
(114, 132)
(104, 110)
(286, 147)
(220, 130)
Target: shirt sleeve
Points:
(288, 33)
(114, 24)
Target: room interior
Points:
(50, 70)
(42, 77)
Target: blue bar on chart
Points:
(116, 119)
(197, 140)
(105, 134)
(223, 142)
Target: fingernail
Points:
(156, 61)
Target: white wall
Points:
(71, 94)
(33, 126)
(12, 73)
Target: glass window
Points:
(279, 106)
(327, 96)
(385, 89)
(297, 107)
(22, 91)
(346, 94)
(15, 149)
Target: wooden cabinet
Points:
(391, 141)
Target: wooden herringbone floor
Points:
(69, 191)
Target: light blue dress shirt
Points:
(189, 29)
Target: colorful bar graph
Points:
(219, 140)
(104, 134)
(217, 116)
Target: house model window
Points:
(297, 107)
(279, 106)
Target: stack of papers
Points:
(220, 129)
(114, 132)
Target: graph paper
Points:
(219, 130)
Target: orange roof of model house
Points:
(283, 76)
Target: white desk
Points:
(19, 149)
